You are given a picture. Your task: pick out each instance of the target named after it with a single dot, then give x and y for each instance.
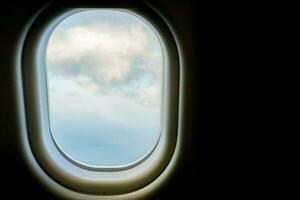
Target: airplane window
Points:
(104, 79)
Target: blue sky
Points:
(104, 70)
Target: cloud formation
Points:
(104, 56)
(99, 50)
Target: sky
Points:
(104, 70)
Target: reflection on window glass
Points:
(104, 70)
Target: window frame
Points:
(36, 135)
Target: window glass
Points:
(104, 80)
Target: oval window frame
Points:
(104, 182)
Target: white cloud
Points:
(102, 55)
(111, 49)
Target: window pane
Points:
(104, 71)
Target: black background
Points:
(219, 122)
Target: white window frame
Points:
(66, 178)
